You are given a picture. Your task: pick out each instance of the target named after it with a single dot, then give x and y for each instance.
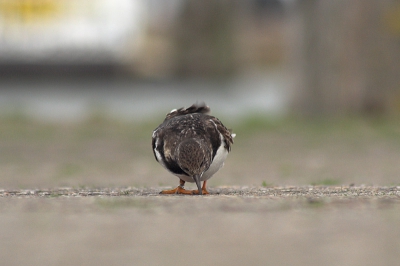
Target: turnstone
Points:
(191, 145)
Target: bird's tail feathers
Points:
(195, 108)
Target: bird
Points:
(192, 145)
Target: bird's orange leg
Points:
(178, 190)
(203, 189)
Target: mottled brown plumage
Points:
(191, 144)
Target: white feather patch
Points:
(158, 154)
(218, 160)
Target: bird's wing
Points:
(214, 124)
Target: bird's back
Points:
(190, 123)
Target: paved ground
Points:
(293, 192)
(309, 225)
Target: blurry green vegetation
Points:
(320, 151)
(265, 184)
(319, 125)
(326, 182)
(69, 170)
(18, 126)
(347, 127)
(104, 151)
(71, 153)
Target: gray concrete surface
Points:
(233, 226)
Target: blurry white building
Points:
(70, 31)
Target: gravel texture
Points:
(314, 192)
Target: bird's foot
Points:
(196, 192)
(178, 190)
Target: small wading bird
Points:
(191, 145)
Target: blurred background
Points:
(311, 87)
